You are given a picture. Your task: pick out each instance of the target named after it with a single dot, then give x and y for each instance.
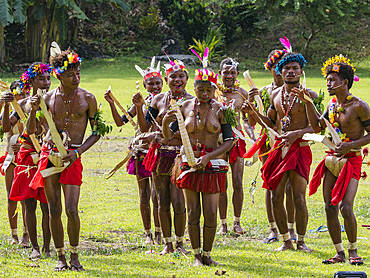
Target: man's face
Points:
(276, 76)
(291, 72)
(228, 75)
(333, 82)
(70, 78)
(204, 91)
(41, 81)
(176, 80)
(153, 85)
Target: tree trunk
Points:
(2, 44)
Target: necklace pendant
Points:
(285, 122)
(191, 114)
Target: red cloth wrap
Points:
(257, 145)
(21, 187)
(71, 175)
(238, 150)
(151, 157)
(2, 159)
(352, 169)
(210, 180)
(297, 158)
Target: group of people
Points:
(182, 150)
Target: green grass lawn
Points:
(111, 229)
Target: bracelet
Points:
(77, 154)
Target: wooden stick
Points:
(53, 129)
(184, 134)
(251, 84)
(122, 109)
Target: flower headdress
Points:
(336, 67)
(291, 58)
(151, 71)
(277, 55)
(174, 65)
(205, 74)
(71, 58)
(30, 73)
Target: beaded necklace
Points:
(68, 113)
(334, 113)
(286, 106)
(231, 89)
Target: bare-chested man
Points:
(153, 83)
(291, 156)
(162, 153)
(8, 164)
(231, 92)
(72, 109)
(264, 143)
(350, 117)
(36, 77)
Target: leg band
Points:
(236, 219)
(60, 251)
(290, 226)
(179, 238)
(272, 225)
(205, 226)
(352, 245)
(285, 236)
(207, 254)
(14, 231)
(193, 224)
(73, 249)
(301, 238)
(339, 247)
(168, 239)
(157, 229)
(148, 232)
(179, 213)
(25, 230)
(223, 221)
(197, 251)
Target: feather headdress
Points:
(205, 74)
(174, 65)
(151, 71)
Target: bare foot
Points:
(273, 236)
(293, 236)
(198, 260)
(180, 248)
(302, 246)
(75, 264)
(168, 248)
(352, 253)
(338, 258)
(223, 230)
(158, 237)
(14, 240)
(35, 254)
(237, 228)
(208, 261)
(149, 239)
(287, 245)
(62, 264)
(25, 242)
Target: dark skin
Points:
(278, 82)
(40, 81)
(167, 192)
(146, 189)
(299, 125)
(9, 173)
(204, 92)
(350, 122)
(83, 108)
(229, 75)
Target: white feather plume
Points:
(140, 70)
(159, 66)
(54, 49)
(152, 64)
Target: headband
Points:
(30, 73)
(291, 58)
(151, 71)
(71, 59)
(277, 55)
(336, 68)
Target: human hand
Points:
(35, 102)
(70, 157)
(247, 107)
(201, 162)
(343, 148)
(6, 97)
(169, 117)
(15, 147)
(252, 93)
(289, 137)
(138, 100)
(108, 97)
(300, 93)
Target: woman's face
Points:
(204, 91)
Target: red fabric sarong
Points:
(21, 187)
(352, 169)
(257, 145)
(238, 150)
(71, 175)
(151, 157)
(2, 159)
(297, 158)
